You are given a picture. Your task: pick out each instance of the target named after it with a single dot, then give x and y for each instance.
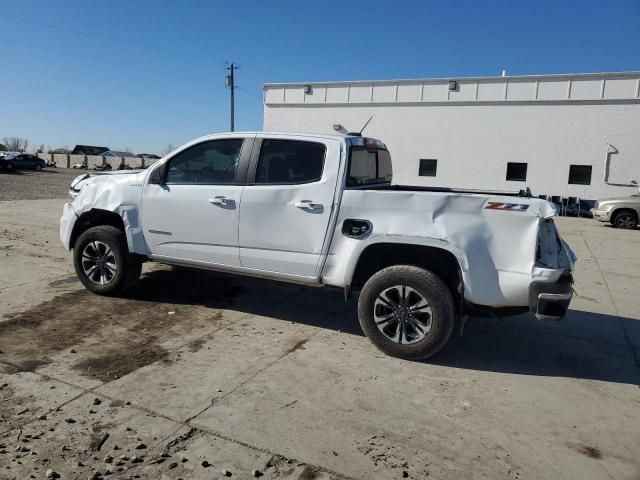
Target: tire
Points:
(38, 168)
(436, 326)
(105, 248)
(625, 219)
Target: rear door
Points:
(287, 204)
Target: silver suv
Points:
(621, 212)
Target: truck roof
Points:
(355, 138)
(338, 136)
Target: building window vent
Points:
(453, 85)
(428, 167)
(516, 172)
(580, 174)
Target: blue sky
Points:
(142, 74)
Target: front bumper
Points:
(67, 222)
(601, 215)
(550, 301)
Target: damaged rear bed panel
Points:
(494, 239)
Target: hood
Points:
(109, 191)
(625, 199)
(117, 176)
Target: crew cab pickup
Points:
(321, 210)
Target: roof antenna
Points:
(359, 134)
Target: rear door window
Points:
(290, 162)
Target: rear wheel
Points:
(102, 261)
(625, 219)
(407, 312)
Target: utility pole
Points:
(231, 84)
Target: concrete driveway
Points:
(202, 375)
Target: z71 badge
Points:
(514, 207)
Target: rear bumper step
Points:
(550, 301)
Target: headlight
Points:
(72, 194)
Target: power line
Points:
(101, 60)
(255, 94)
(109, 38)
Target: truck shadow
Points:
(584, 345)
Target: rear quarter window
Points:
(368, 166)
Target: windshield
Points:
(368, 166)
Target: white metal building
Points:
(569, 135)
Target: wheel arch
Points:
(94, 218)
(435, 258)
(618, 210)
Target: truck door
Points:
(287, 203)
(190, 211)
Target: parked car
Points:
(81, 166)
(103, 168)
(24, 161)
(4, 164)
(621, 212)
(320, 210)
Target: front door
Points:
(286, 206)
(192, 214)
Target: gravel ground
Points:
(32, 185)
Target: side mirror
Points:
(158, 175)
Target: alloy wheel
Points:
(625, 221)
(402, 314)
(99, 263)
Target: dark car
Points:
(24, 161)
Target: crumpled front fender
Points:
(119, 194)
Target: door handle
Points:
(219, 200)
(308, 205)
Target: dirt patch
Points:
(114, 336)
(196, 345)
(33, 364)
(309, 473)
(299, 345)
(114, 365)
(64, 281)
(13, 408)
(591, 452)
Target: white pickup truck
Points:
(321, 210)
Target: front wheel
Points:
(407, 312)
(102, 261)
(38, 168)
(625, 219)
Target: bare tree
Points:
(168, 149)
(15, 144)
(40, 149)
